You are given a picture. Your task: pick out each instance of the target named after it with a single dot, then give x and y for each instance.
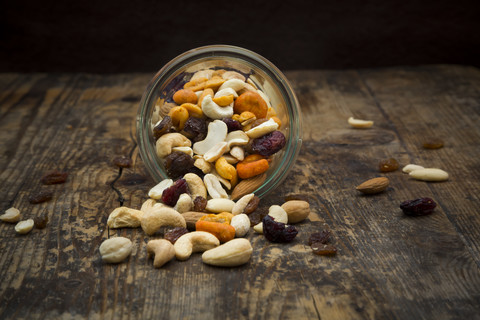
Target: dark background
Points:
(127, 36)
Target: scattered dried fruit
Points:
(277, 231)
(122, 162)
(199, 204)
(388, 165)
(54, 177)
(40, 197)
(173, 234)
(319, 237)
(252, 205)
(40, 222)
(170, 195)
(433, 143)
(418, 207)
(324, 249)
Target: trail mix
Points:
(219, 126)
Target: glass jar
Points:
(264, 75)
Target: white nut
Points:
(216, 151)
(124, 217)
(233, 75)
(262, 129)
(411, 167)
(241, 223)
(162, 250)
(231, 159)
(206, 73)
(222, 180)
(220, 205)
(166, 142)
(429, 174)
(203, 165)
(184, 203)
(235, 84)
(241, 204)
(361, 124)
(196, 241)
(238, 153)
(157, 218)
(214, 111)
(214, 188)
(157, 191)
(217, 132)
(115, 250)
(230, 254)
(277, 213)
(24, 227)
(186, 150)
(11, 215)
(150, 204)
(237, 138)
(226, 92)
(195, 185)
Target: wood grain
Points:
(388, 266)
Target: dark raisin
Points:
(199, 204)
(40, 197)
(252, 205)
(418, 207)
(433, 143)
(269, 144)
(277, 231)
(170, 195)
(388, 165)
(172, 235)
(40, 222)
(163, 127)
(178, 163)
(195, 129)
(232, 125)
(323, 249)
(197, 171)
(54, 177)
(257, 216)
(296, 196)
(320, 237)
(122, 162)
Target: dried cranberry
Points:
(418, 207)
(323, 249)
(170, 195)
(232, 125)
(172, 235)
(277, 231)
(269, 144)
(319, 237)
(199, 204)
(178, 163)
(163, 127)
(195, 129)
(54, 177)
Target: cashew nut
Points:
(162, 250)
(228, 75)
(203, 165)
(150, 204)
(195, 185)
(196, 241)
(166, 142)
(184, 203)
(157, 191)
(216, 151)
(230, 254)
(186, 150)
(237, 138)
(217, 132)
(241, 223)
(241, 204)
(277, 213)
(214, 188)
(24, 227)
(226, 92)
(115, 250)
(231, 159)
(124, 217)
(235, 84)
(263, 129)
(11, 215)
(220, 205)
(202, 74)
(237, 153)
(214, 111)
(157, 218)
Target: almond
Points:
(247, 186)
(191, 217)
(373, 186)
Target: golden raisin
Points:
(388, 165)
(433, 143)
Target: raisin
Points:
(195, 129)
(40, 197)
(54, 177)
(163, 127)
(296, 196)
(232, 125)
(277, 231)
(269, 144)
(170, 195)
(199, 204)
(433, 143)
(178, 163)
(323, 249)
(418, 207)
(172, 235)
(257, 216)
(388, 165)
(252, 205)
(319, 237)
(122, 162)
(40, 222)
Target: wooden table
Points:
(388, 265)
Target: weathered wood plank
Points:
(388, 266)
